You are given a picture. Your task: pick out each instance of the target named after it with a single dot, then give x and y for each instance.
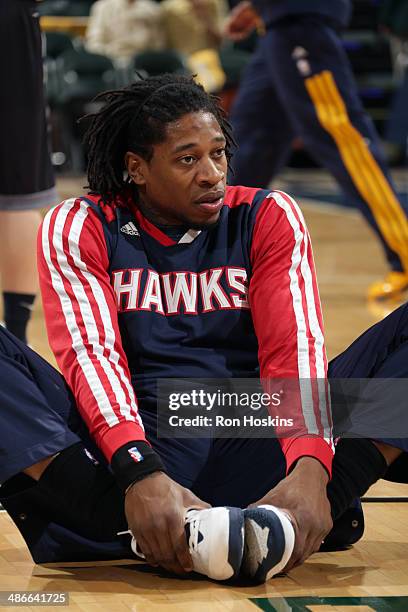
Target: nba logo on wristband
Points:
(135, 454)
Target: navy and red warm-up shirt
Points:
(126, 305)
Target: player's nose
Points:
(209, 172)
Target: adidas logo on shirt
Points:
(130, 229)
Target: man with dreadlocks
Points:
(163, 271)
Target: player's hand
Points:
(303, 495)
(241, 21)
(155, 509)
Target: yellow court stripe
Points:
(334, 119)
(392, 205)
(362, 167)
(353, 144)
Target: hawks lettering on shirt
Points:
(181, 292)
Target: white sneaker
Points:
(269, 542)
(215, 538)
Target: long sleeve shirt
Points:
(126, 305)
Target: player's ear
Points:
(136, 167)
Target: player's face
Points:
(184, 182)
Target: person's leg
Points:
(396, 130)
(387, 399)
(317, 86)
(32, 431)
(261, 127)
(18, 267)
(56, 485)
(381, 352)
(371, 351)
(40, 426)
(26, 175)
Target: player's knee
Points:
(36, 470)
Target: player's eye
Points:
(188, 160)
(219, 152)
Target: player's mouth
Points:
(211, 202)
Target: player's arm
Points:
(287, 317)
(81, 318)
(242, 20)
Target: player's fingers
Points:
(153, 534)
(311, 545)
(297, 554)
(162, 548)
(318, 543)
(179, 543)
(144, 546)
(305, 545)
(308, 553)
(169, 559)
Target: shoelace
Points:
(139, 552)
(194, 532)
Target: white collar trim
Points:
(189, 236)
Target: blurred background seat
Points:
(57, 43)
(153, 63)
(65, 8)
(80, 76)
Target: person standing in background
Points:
(194, 25)
(299, 83)
(393, 20)
(26, 174)
(121, 28)
(194, 28)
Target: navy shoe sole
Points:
(269, 541)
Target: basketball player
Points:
(163, 271)
(299, 83)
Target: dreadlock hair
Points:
(134, 119)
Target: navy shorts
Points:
(39, 418)
(26, 173)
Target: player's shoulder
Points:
(261, 199)
(67, 205)
(74, 221)
(89, 206)
(286, 206)
(278, 214)
(238, 195)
